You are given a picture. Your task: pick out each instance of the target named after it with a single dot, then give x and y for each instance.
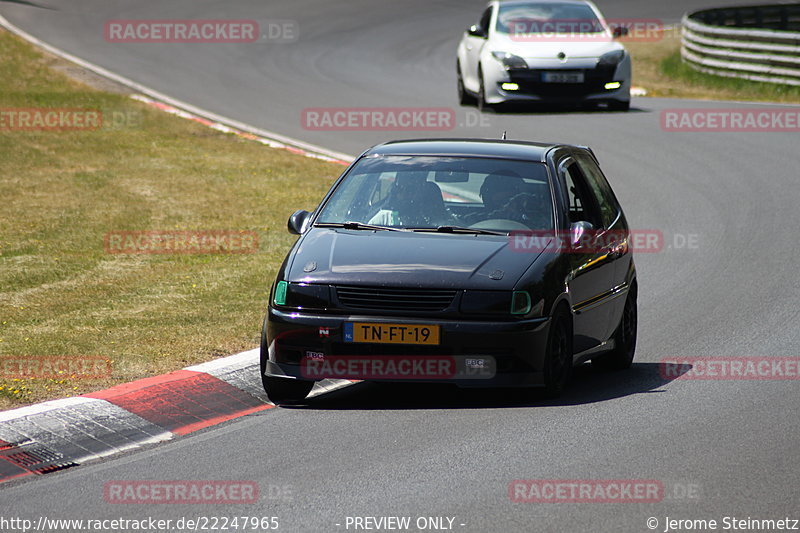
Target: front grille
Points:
(530, 82)
(386, 299)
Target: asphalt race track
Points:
(720, 448)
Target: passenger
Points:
(413, 202)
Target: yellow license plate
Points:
(391, 333)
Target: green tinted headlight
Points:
(280, 293)
(302, 295)
(520, 303)
(485, 302)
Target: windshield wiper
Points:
(462, 229)
(356, 225)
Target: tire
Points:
(558, 359)
(621, 357)
(280, 390)
(617, 105)
(483, 107)
(284, 390)
(464, 98)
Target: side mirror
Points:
(621, 31)
(476, 31)
(578, 232)
(298, 222)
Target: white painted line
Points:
(187, 111)
(276, 137)
(234, 361)
(39, 408)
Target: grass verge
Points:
(62, 296)
(657, 67)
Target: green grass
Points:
(657, 67)
(62, 295)
(673, 67)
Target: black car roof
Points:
(534, 2)
(524, 150)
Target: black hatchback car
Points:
(476, 262)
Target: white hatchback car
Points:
(543, 51)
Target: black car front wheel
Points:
(481, 103)
(617, 105)
(283, 390)
(558, 359)
(621, 357)
(280, 390)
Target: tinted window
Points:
(582, 204)
(432, 191)
(486, 18)
(600, 189)
(548, 18)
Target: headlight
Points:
(504, 303)
(280, 293)
(611, 58)
(510, 61)
(486, 302)
(520, 303)
(301, 295)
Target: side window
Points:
(582, 204)
(486, 18)
(609, 209)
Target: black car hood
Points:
(387, 258)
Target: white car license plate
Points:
(562, 77)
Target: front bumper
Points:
(533, 88)
(516, 348)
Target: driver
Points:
(497, 190)
(413, 201)
(504, 197)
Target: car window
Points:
(600, 188)
(432, 191)
(486, 19)
(546, 18)
(582, 203)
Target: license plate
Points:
(562, 77)
(391, 333)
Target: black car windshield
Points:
(548, 18)
(433, 192)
